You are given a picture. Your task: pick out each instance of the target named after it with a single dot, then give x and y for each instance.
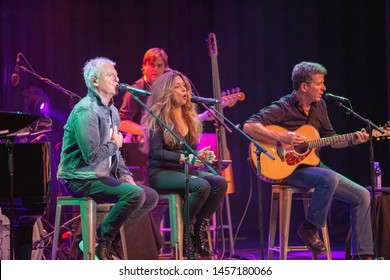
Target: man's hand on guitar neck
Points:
(360, 137)
(295, 138)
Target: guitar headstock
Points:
(231, 97)
(380, 136)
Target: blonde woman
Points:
(170, 101)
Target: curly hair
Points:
(303, 73)
(160, 103)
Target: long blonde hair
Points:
(160, 103)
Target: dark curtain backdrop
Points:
(259, 42)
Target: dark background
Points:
(259, 42)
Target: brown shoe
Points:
(312, 240)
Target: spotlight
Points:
(43, 107)
(34, 101)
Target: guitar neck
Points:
(327, 141)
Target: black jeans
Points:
(131, 202)
(206, 191)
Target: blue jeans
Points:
(131, 202)
(329, 184)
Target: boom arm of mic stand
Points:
(237, 127)
(218, 119)
(49, 82)
(366, 121)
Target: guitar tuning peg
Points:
(228, 91)
(233, 90)
(238, 89)
(223, 93)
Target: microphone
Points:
(125, 87)
(207, 101)
(15, 78)
(331, 97)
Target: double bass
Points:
(222, 150)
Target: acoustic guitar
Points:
(288, 157)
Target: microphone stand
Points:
(187, 152)
(56, 86)
(218, 123)
(370, 126)
(259, 149)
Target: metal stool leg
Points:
(88, 224)
(272, 223)
(175, 204)
(57, 225)
(285, 201)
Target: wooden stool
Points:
(281, 201)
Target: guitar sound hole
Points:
(302, 148)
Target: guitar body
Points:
(287, 157)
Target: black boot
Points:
(103, 250)
(193, 253)
(200, 226)
(116, 248)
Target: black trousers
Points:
(206, 191)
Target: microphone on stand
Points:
(15, 78)
(126, 87)
(331, 97)
(207, 101)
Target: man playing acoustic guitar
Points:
(282, 126)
